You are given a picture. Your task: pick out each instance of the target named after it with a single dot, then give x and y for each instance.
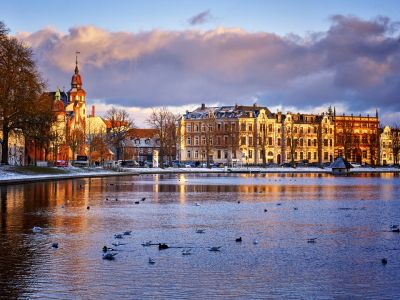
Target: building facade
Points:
(389, 144)
(253, 135)
(357, 138)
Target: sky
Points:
(288, 55)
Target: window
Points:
(226, 126)
(295, 130)
(308, 130)
(270, 141)
(189, 140)
(325, 155)
(203, 127)
(270, 153)
(203, 140)
(325, 142)
(288, 156)
(330, 130)
(301, 155)
(250, 153)
(219, 154)
(309, 155)
(203, 154)
(233, 126)
(196, 140)
(315, 129)
(315, 155)
(196, 154)
(309, 143)
(364, 154)
(279, 142)
(211, 141)
(270, 127)
(301, 130)
(188, 154)
(301, 143)
(250, 127)
(330, 142)
(243, 127)
(243, 140)
(196, 128)
(219, 126)
(226, 154)
(226, 140)
(218, 140)
(295, 155)
(210, 128)
(250, 140)
(315, 142)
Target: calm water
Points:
(349, 217)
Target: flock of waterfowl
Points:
(109, 253)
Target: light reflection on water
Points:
(349, 216)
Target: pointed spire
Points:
(76, 62)
(377, 113)
(334, 111)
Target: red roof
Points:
(143, 132)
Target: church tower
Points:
(76, 107)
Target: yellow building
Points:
(389, 144)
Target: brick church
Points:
(69, 130)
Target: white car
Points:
(355, 165)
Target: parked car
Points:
(61, 163)
(355, 164)
(81, 161)
(128, 163)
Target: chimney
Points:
(93, 110)
(203, 106)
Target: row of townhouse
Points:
(253, 135)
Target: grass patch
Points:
(33, 170)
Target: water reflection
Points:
(349, 216)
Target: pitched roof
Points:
(341, 163)
(143, 133)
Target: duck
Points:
(151, 261)
(186, 252)
(200, 231)
(265, 210)
(197, 204)
(137, 202)
(162, 246)
(109, 256)
(255, 242)
(118, 236)
(37, 229)
(279, 204)
(88, 207)
(54, 245)
(146, 244)
(128, 232)
(384, 261)
(239, 240)
(312, 240)
(214, 249)
(295, 208)
(144, 198)
(118, 244)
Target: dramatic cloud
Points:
(355, 65)
(200, 18)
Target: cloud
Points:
(355, 64)
(201, 18)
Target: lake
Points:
(274, 214)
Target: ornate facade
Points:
(254, 135)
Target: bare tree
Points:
(119, 124)
(20, 87)
(164, 122)
(292, 136)
(75, 140)
(99, 147)
(39, 121)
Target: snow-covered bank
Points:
(9, 174)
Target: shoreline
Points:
(18, 178)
